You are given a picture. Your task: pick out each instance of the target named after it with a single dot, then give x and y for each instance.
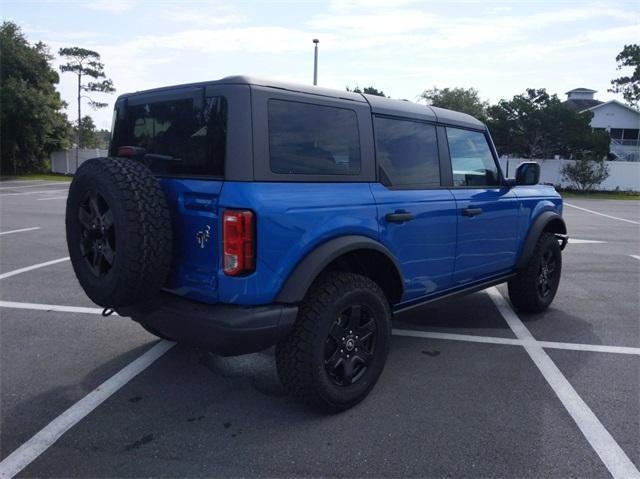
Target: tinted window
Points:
(179, 139)
(313, 139)
(407, 153)
(471, 159)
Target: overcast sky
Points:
(401, 47)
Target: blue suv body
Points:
(285, 198)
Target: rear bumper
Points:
(224, 329)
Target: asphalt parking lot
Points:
(470, 389)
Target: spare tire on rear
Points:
(118, 231)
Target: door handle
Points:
(399, 217)
(471, 212)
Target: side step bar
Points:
(458, 292)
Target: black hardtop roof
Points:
(379, 105)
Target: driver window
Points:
(471, 159)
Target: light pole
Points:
(315, 61)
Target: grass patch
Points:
(46, 176)
(601, 195)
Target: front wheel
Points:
(339, 344)
(534, 288)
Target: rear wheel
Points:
(534, 288)
(339, 344)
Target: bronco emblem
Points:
(203, 236)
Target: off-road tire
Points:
(300, 358)
(524, 288)
(141, 223)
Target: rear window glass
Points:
(178, 137)
(312, 139)
(407, 153)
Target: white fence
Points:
(65, 161)
(623, 175)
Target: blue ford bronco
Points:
(239, 214)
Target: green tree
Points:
(32, 123)
(90, 136)
(584, 174)
(465, 100)
(104, 139)
(629, 86)
(368, 90)
(86, 64)
(537, 125)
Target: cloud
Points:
(375, 24)
(111, 6)
(401, 46)
(206, 15)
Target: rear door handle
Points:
(399, 217)
(471, 212)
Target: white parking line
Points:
(611, 454)
(32, 192)
(471, 338)
(28, 186)
(635, 256)
(20, 230)
(3, 182)
(34, 447)
(51, 307)
(52, 198)
(581, 241)
(30, 268)
(602, 214)
(456, 337)
(594, 348)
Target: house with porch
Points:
(620, 120)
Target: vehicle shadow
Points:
(24, 419)
(472, 314)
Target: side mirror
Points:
(528, 173)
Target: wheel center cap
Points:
(349, 344)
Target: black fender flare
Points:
(308, 269)
(544, 219)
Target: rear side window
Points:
(178, 137)
(313, 139)
(471, 159)
(407, 153)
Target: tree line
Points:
(33, 123)
(533, 124)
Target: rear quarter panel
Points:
(292, 219)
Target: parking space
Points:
(460, 395)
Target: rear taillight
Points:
(238, 242)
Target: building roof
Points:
(378, 104)
(581, 90)
(580, 104)
(616, 102)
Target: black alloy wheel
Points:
(546, 274)
(349, 348)
(97, 233)
(339, 343)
